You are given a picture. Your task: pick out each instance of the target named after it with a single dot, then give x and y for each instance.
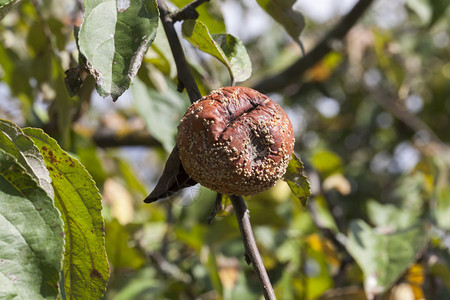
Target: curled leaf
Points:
(173, 179)
(226, 48)
(297, 180)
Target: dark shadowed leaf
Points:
(297, 180)
(114, 38)
(384, 256)
(439, 8)
(86, 269)
(173, 179)
(225, 47)
(283, 12)
(31, 235)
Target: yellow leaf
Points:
(320, 244)
(416, 278)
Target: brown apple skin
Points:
(235, 141)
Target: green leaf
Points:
(132, 181)
(120, 254)
(161, 110)
(6, 6)
(326, 162)
(442, 209)
(15, 143)
(209, 13)
(383, 257)
(86, 269)
(236, 54)
(422, 8)
(297, 180)
(114, 37)
(88, 156)
(391, 217)
(225, 47)
(439, 7)
(283, 12)
(31, 235)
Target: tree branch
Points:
(187, 12)
(292, 74)
(251, 249)
(185, 78)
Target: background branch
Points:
(108, 138)
(293, 73)
(251, 249)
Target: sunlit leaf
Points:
(15, 143)
(283, 12)
(89, 157)
(86, 269)
(31, 236)
(114, 38)
(297, 180)
(236, 54)
(383, 257)
(225, 47)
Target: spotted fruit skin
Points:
(235, 141)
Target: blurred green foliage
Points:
(371, 122)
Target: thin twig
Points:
(252, 252)
(293, 73)
(187, 12)
(185, 78)
(216, 208)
